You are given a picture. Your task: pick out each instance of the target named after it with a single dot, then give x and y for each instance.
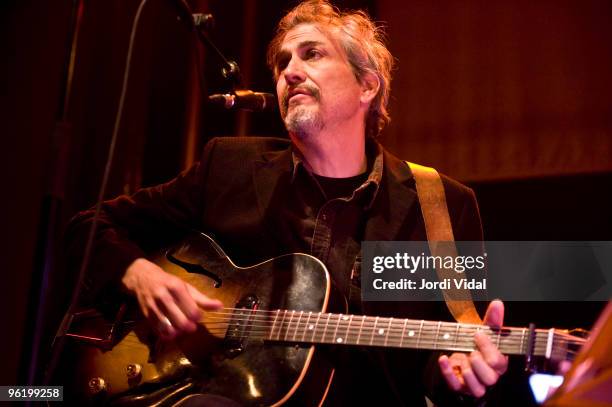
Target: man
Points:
(323, 193)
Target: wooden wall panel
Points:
(509, 89)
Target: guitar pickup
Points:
(241, 323)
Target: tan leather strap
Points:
(439, 232)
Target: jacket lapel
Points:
(394, 201)
(272, 169)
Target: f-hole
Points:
(194, 268)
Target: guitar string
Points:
(427, 337)
(137, 344)
(252, 316)
(458, 338)
(254, 320)
(434, 343)
(423, 344)
(425, 340)
(459, 345)
(251, 313)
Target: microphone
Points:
(245, 100)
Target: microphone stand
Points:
(201, 24)
(230, 69)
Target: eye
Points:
(281, 62)
(313, 53)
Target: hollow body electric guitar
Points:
(259, 349)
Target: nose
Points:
(294, 72)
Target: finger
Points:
(203, 301)
(160, 322)
(176, 316)
(449, 374)
(494, 316)
(185, 301)
(564, 367)
(485, 374)
(491, 355)
(474, 387)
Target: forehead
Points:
(309, 33)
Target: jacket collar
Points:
(393, 201)
(269, 172)
(396, 198)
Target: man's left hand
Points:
(472, 374)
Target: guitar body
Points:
(257, 350)
(220, 358)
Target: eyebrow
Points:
(283, 53)
(311, 43)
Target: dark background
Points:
(510, 97)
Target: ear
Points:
(369, 87)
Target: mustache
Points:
(311, 90)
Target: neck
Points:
(334, 153)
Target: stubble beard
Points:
(303, 122)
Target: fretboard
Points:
(360, 330)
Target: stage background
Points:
(511, 97)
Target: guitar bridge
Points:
(240, 326)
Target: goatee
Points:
(302, 121)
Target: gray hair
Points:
(363, 42)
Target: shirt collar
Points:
(367, 191)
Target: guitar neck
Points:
(339, 329)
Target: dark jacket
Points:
(228, 195)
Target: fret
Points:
(335, 338)
(535, 347)
(403, 332)
(411, 333)
(436, 337)
(551, 333)
(373, 331)
(464, 339)
(510, 343)
(445, 334)
(379, 333)
(273, 324)
(289, 324)
(307, 326)
(392, 332)
(348, 329)
(363, 318)
(420, 332)
(285, 325)
(316, 327)
(297, 325)
(325, 329)
(388, 330)
(280, 327)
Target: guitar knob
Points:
(133, 370)
(97, 385)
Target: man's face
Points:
(316, 86)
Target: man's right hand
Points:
(171, 305)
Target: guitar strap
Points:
(441, 240)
